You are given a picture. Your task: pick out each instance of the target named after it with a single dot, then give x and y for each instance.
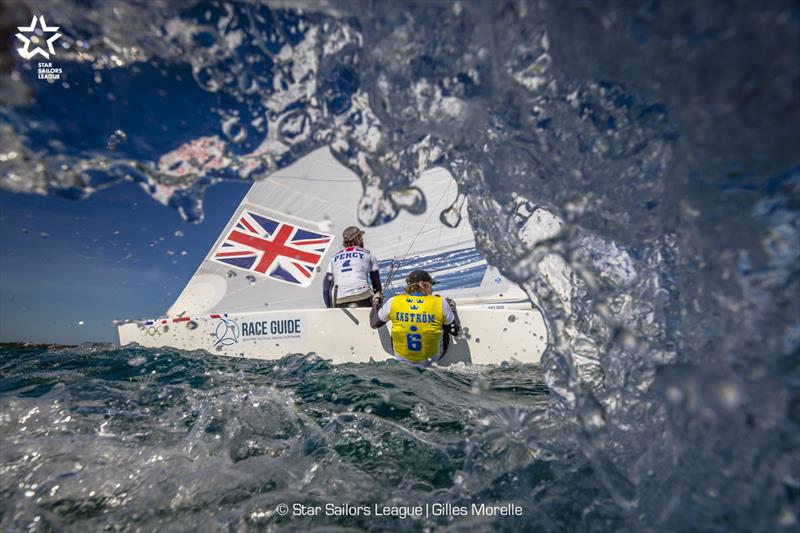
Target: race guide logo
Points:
(30, 36)
(226, 333)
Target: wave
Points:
(154, 438)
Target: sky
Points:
(69, 268)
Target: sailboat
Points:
(258, 292)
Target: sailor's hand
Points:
(377, 298)
(450, 302)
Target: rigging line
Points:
(335, 164)
(433, 209)
(464, 230)
(388, 282)
(441, 229)
(307, 178)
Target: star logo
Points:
(25, 51)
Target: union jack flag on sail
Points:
(278, 250)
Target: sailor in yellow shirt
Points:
(421, 321)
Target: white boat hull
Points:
(489, 336)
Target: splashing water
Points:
(633, 166)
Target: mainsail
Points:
(273, 253)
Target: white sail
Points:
(258, 292)
(274, 251)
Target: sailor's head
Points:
(420, 281)
(353, 236)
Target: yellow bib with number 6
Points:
(416, 326)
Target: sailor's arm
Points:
(451, 321)
(379, 315)
(374, 273)
(327, 284)
(375, 278)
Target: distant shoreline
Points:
(29, 345)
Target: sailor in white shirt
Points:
(352, 274)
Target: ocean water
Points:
(632, 165)
(106, 438)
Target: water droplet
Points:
(115, 139)
(479, 385)
(178, 233)
(787, 518)
(674, 395)
(230, 274)
(191, 325)
(730, 396)
(233, 130)
(411, 199)
(80, 322)
(512, 318)
(421, 413)
(251, 280)
(451, 217)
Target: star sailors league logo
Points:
(274, 249)
(31, 36)
(26, 51)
